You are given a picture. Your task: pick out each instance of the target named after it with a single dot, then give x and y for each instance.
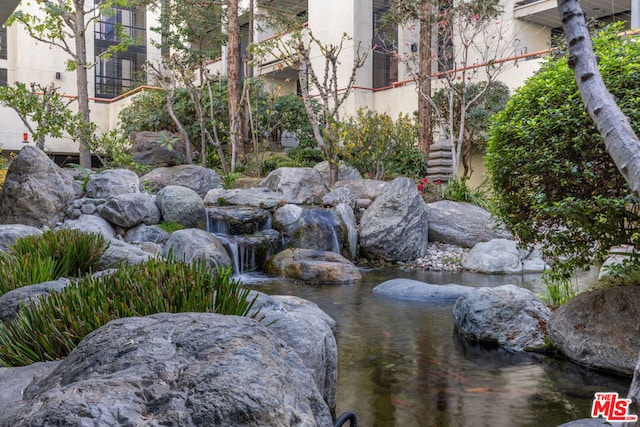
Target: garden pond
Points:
(401, 363)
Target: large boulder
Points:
(120, 252)
(197, 178)
(91, 224)
(15, 380)
(12, 301)
(237, 219)
(314, 228)
(112, 182)
(298, 185)
(194, 244)
(507, 315)
(182, 205)
(309, 265)
(395, 226)
(36, 191)
(502, 256)
(157, 149)
(345, 172)
(599, 328)
(9, 233)
(309, 331)
(362, 188)
(187, 369)
(462, 224)
(408, 289)
(129, 210)
(146, 233)
(254, 197)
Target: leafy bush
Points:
(459, 191)
(48, 256)
(379, 147)
(553, 181)
(51, 327)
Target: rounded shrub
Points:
(553, 181)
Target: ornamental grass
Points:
(50, 327)
(49, 256)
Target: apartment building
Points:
(385, 83)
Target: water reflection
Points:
(402, 364)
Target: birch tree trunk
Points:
(621, 142)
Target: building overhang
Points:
(545, 12)
(6, 8)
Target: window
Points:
(123, 70)
(3, 77)
(385, 41)
(3, 42)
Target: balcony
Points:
(545, 12)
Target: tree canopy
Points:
(554, 181)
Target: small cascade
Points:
(334, 240)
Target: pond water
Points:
(402, 364)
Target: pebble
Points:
(440, 257)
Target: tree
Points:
(233, 85)
(40, 105)
(553, 181)
(295, 49)
(64, 24)
(493, 99)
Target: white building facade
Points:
(385, 83)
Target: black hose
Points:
(347, 416)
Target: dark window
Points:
(385, 43)
(3, 42)
(446, 59)
(122, 71)
(3, 77)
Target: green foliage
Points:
(170, 226)
(229, 179)
(625, 273)
(481, 107)
(48, 329)
(112, 148)
(458, 190)
(48, 256)
(553, 181)
(303, 157)
(560, 286)
(379, 147)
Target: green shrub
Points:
(171, 226)
(48, 256)
(552, 179)
(52, 327)
(459, 191)
(381, 148)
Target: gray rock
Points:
(15, 380)
(502, 256)
(309, 331)
(237, 219)
(9, 233)
(151, 148)
(112, 182)
(298, 185)
(188, 369)
(12, 301)
(415, 290)
(36, 191)
(395, 226)
(250, 252)
(309, 265)
(182, 205)
(345, 172)
(120, 252)
(345, 213)
(197, 178)
(599, 329)
(146, 233)
(339, 195)
(91, 224)
(362, 188)
(507, 315)
(129, 210)
(462, 224)
(314, 228)
(194, 244)
(255, 197)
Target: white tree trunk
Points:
(621, 142)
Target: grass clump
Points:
(171, 226)
(49, 328)
(49, 256)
